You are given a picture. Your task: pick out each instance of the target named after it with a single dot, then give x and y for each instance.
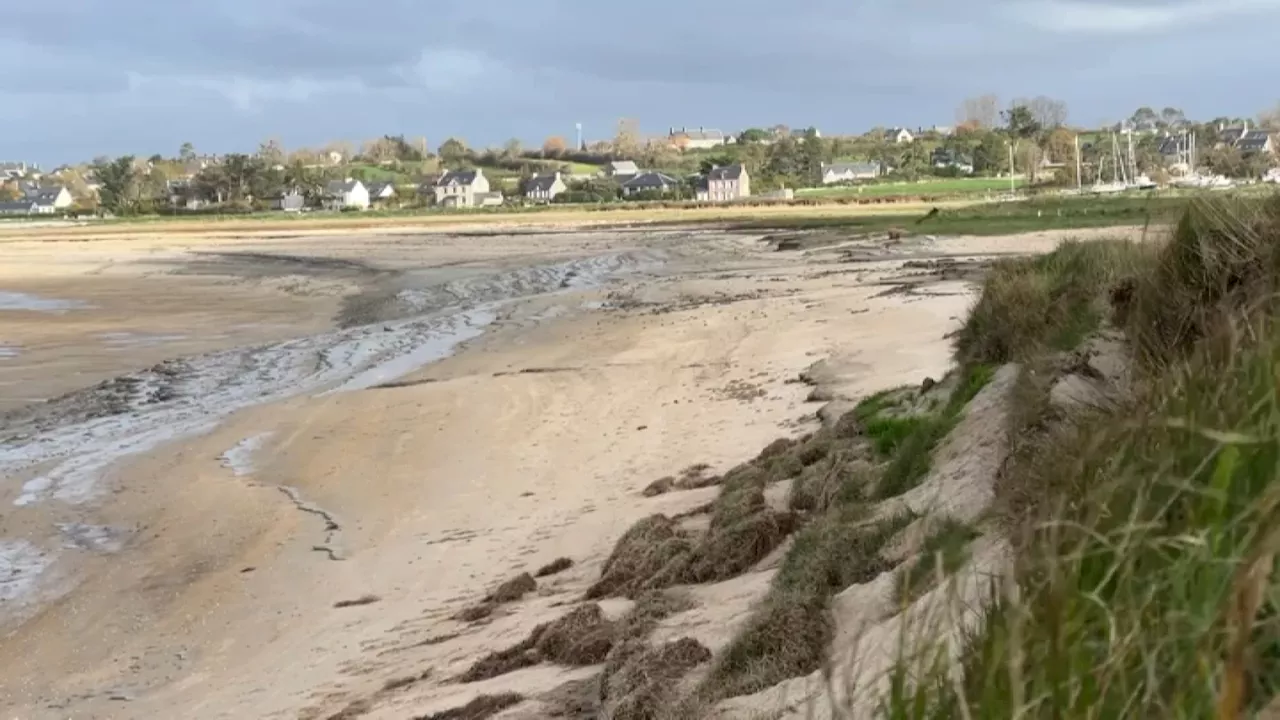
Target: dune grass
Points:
(1145, 570)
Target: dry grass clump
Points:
(583, 636)
(508, 592)
(513, 589)
(1145, 580)
(554, 567)
(693, 477)
(1222, 262)
(656, 553)
(642, 552)
(1052, 301)
(485, 706)
(638, 680)
(844, 477)
(789, 634)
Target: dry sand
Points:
(197, 577)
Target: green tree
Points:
(1060, 146)
(1172, 117)
(1144, 118)
(753, 135)
(990, 154)
(187, 152)
(119, 187)
(453, 152)
(1021, 122)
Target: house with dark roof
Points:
(838, 172)
(18, 207)
(462, 188)
(655, 182)
(49, 199)
(1256, 141)
(1246, 140)
(545, 187)
(381, 192)
(344, 194)
(723, 184)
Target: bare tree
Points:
(627, 140)
(272, 152)
(981, 111)
(1048, 112)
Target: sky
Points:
(108, 77)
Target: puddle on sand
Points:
(239, 459)
(94, 538)
(21, 564)
(35, 303)
(8, 351)
(136, 339)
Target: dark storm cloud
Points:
(225, 74)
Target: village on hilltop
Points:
(1028, 145)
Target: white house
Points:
(623, 169)
(544, 188)
(839, 172)
(700, 139)
(382, 192)
(898, 136)
(463, 188)
(724, 183)
(49, 200)
(342, 194)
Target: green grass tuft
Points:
(1146, 567)
(945, 551)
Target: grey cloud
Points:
(309, 70)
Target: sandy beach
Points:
(260, 476)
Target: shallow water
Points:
(35, 303)
(239, 459)
(136, 339)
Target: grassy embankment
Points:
(1146, 530)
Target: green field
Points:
(932, 186)
(1056, 213)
